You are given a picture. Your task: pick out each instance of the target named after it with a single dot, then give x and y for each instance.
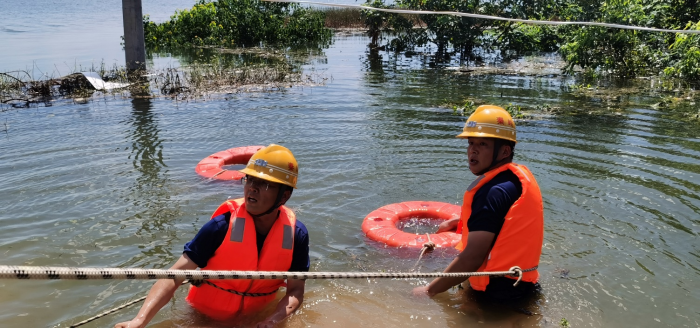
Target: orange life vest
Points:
(239, 252)
(519, 243)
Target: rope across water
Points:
(70, 273)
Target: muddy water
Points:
(112, 183)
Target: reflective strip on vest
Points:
(237, 230)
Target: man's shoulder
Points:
(504, 180)
(300, 229)
(221, 219)
(504, 185)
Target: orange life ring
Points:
(381, 224)
(212, 166)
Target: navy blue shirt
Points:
(202, 247)
(492, 202)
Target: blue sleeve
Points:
(300, 254)
(202, 247)
(493, 201)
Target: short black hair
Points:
(284, 188)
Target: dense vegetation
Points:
(597, 50)
(238, 23)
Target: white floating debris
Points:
(99, 84)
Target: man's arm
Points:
(478, 247)
(288, 304)
(448, 225)
(159, 295)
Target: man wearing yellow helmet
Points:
(253, 233)
(502, 221)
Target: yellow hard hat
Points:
(273, 163)
(489, 121)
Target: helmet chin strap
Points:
(497, 143)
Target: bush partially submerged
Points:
(244, 23)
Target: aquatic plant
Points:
(466, 109)
(196, 80)
(514, 110)
(564, 323)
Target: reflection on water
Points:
(113, 184)
(151, 211)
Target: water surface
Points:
(112, 183)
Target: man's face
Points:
(480, 153)
(259, 194)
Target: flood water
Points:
(111, 183)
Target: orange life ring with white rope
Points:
(212, 166)
(382, 224)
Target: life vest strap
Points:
(198, 283)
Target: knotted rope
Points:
(427, 248)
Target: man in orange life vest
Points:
(502, 221)
(254, 233)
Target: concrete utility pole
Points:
(134, 44)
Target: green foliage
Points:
(374, 21)
(528, 38)
(543, 108)
(238, 23)
(401, 26)
(685, 54)
(627, 53)
(624, 53)
(564, 323)
(523, 37)
(515, 111)
(597, 51)
(461, 34)
(453, 35)
(470, 105)
(466, 109)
